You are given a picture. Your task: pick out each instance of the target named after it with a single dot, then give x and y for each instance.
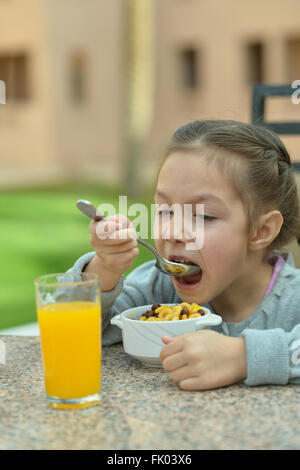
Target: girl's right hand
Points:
(114, 241)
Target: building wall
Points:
(25, 130)
(88, 134)
(50, 134)
(219, 31)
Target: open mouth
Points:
(192, 279)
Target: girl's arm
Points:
(273, 356)
(110, 334)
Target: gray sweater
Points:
(272, 331)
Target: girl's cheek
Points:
(216, 251)
(161, 232)
(159, 245)
(213, 245)
(157, 228)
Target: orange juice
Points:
(71, 348)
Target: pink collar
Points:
(278, 263)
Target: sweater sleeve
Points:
(144, 285)
(107, 298)
(110, 334)
(273, 356)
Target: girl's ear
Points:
(267, 228)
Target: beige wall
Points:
(49, 135)
(220, 29)
(25, 130)
(89, 138)
(87, 135)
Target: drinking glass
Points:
(69, 317)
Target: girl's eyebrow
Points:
(195, 199)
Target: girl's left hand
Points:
(204, 359)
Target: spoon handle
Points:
(148, 246)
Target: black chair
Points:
(259, 95)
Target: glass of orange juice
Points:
(69, 317)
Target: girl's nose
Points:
(177, 231)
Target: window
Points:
(14, 73)
(188, 70)
(78, 78)
(254, 65)
(293, 59)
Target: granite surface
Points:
(140, 408)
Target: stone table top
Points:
(140, 408)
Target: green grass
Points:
(43, 232)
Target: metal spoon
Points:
(167, 267)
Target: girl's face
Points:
(186, 178)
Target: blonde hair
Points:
(266, 178)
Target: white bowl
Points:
(142, 339)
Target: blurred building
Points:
(63, 67)
(66, 65)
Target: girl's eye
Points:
(165, 212)
(208, 218)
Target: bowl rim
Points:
(209, 313)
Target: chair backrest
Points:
(259, 94)
(293, 247)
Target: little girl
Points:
(242, 174)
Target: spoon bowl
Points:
(164, 265)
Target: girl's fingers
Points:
(107, 250)
(113, 227)
(121, 219)
(119, 260)
(173, 347)
(105, 227)
(174, 362)
(167, 339)
(183, 374)
(191, 383)
(124, 234)
(111, 235)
